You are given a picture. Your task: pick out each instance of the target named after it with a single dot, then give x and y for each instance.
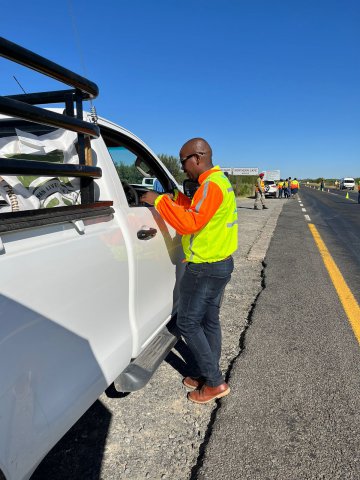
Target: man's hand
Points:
(149, 197)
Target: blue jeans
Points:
(201, 291)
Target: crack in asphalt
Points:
(202, 449)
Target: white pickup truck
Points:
(89, 275)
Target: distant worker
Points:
(289, 188)
(285, 188)
(280, 188)
(294, 188)
(322, 185)
(260, 192)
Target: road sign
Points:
(245, 171)
(227, 169)
(272, 175)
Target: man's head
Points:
(261, 175)
(196, 157)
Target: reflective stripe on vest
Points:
(219, 238)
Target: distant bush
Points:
(243, 185)
(129, 173)
(174, 166)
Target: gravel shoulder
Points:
(156, 432)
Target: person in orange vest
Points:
(289, 187)
(260, 192)
(286, 188)
(209, 228)
(294, 188)
(280, 188)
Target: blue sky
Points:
(271, 84)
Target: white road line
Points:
(307, 218)
(303, 209)
(301, 204)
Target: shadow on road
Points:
(79, 453)
(183, 362)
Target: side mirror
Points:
(190, 187)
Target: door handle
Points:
(146, 233)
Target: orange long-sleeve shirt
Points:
(189, 216)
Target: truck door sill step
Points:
(137, 374)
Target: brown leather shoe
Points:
(206, 393)
(193, 383)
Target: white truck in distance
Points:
(148, 182)
(347, 183)
(89, 275)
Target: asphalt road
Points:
(338, 222)
(294, 408)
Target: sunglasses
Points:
(184, 159)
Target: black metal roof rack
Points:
(24, 107)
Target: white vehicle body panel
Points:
(76, 307)
(270, 188)
(152, 285)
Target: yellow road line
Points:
(347, 299)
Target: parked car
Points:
(148, 182)
(79, 306)
(347, 183)
(270, 188)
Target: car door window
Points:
(137, 169)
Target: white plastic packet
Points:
(28, 193)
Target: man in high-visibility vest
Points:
(294, 188)
(260, 192)
(209, 228)
(285, 188)
(289, 187)
(280, 188)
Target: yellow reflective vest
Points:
(262, 185)
(218, 239)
